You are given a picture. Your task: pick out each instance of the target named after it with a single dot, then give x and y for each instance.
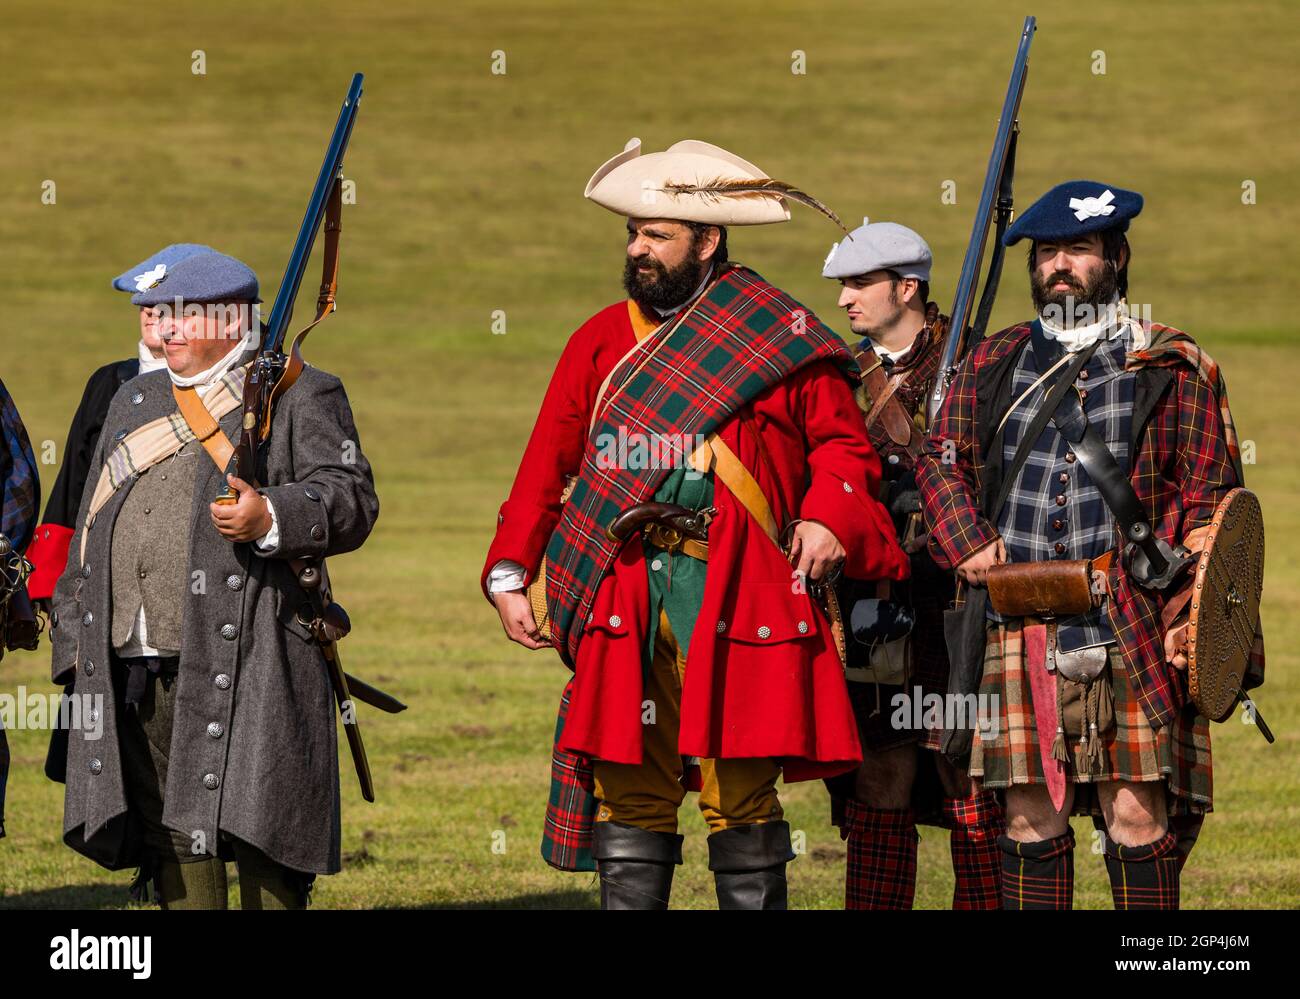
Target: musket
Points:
(272, 373)
(995, 198)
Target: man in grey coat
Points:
(210, 732)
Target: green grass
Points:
(469, 201)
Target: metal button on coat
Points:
(656, 565)
(615, 620)
(94, 715)
(89, 668)
(96, 767)
(311, 493)
(144, 573)
(803, 627)
(1083, 375)
(228, 632)
(210, 781)
(1069, 456)
(120, 435)
(215, 730)
(85, 571)
(86, 618)
(1063, 477)
(764, 632)
(317, 532)
(1060, 548)
(722, 626)
(848, 488)
(235, 583)
(222, 681)
(1060, 500)
(1058, 525)
(137, 398)
(54, 620)
(893, 459)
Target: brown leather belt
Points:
(672, 540)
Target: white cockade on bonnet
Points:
(150, 279)
(1086, 208)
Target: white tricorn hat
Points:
(692, 181)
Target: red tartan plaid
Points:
(571, 806)
(1038, 875)
(1190, 430)
(743, 336)
(1145, 877)
(976, 823)
(881, 871)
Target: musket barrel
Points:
(282, 309)
(972, 263)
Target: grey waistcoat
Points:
(150, 553)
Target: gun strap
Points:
(325, 301)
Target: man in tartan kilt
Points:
(884, 273)
(701, 659)
(1084, 713)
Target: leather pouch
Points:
(1041, 589)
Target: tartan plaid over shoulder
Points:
(743, 336)
(1185, 459)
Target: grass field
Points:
(469, 205)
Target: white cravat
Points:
(1112, 323)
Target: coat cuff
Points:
(523, 533)
(860, 524)
(48, 553)
(302, 519)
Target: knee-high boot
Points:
(748, 865)
(635, 865)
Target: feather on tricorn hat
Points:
(694, 181)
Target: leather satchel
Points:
(1046, 589)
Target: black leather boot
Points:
(748, 865)
(635, 865)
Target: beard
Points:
(661, 287)
(1079, 304)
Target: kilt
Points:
(1007, 753)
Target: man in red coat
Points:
(687, 435)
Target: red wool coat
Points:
(782, 695)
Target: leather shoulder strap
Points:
(204, 426)
(884, 404)
(739, 481)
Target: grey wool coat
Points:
(271, 777)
